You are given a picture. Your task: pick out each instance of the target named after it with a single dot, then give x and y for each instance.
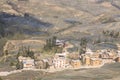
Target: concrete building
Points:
(96, 55)
(117, 59)
(89, 52)
(87, 60)
(106, 58)
(28, 63)
(60, 43)
(40, 64)
(21, 58)
(118, 56)
(59, 60)
(95, 61)
(75, 63)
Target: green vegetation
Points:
(1, 78)
(83, 45)
(19, 65)
(2, 43)
(51, 46)
(107, 20)
(2, 32)
(112, 33)
(8, 34)
(11, 64)
(25, 52)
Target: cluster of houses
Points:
(76, 61)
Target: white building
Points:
(28, 63)
(89, 51)
(118, 53)
(59, 60)
(60, 43)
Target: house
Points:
(60, 43)
(117, 59)
(59, 60)
(39, 64)
(106, 58)
(87, 60)
(28, 63)
(89, 51)
(75, 63)
(73, 56)
(21, 58)
(44, 63)
(95, 61)
(96, 55)
(118, 53)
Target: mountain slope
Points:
(63, 17)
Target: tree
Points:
(2, 31)
(6, 52)
(30, 54)
(51, 44)
(83, 45)
(116, 35)
(19, 65)
(26, 52)
(54, 41)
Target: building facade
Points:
(59, 60)
(28, 63)
(75, 63)
(96, 61)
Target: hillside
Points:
(66, 19)
(30, 28)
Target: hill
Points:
(67, 19)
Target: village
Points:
(67, 60)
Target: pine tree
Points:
(83, 45)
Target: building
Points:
(28, 63)
(60, 43)
(117, 59)
(118, 56)
(59, 60)
(75, 63)
(95, 61)
(21, 58)
(118, 53)
(96, 55)
(87, 60)
(40, 64)
(89, 52)
(106, 58)
(73, 56)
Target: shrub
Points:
(11, 64)
(1, 78)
